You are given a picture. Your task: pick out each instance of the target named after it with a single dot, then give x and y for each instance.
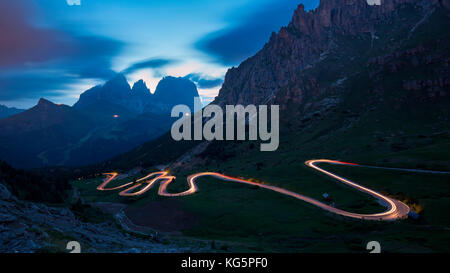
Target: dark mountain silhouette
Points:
(40, 135)
(140, 90)
(169, 92)
(107, 120)
(116, 91)
(172, 91)
(140, 97)
(7, 112)
(42, 116)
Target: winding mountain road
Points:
(395, 209)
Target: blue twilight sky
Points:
(58, 48)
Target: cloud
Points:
(232, 45)
(18, 86)
(20, 42)
(91, 56)
(150, 63)
(203, 81)
(37, 62)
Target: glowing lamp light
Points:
(115, 116)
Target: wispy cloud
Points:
(204, 81)
(156, 63)
(37, 62)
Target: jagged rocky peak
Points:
(176, 90)
(350, 16)
(117, 86)
(118, 80)
(140, 89)
(308, 38)
(169, 88)
(45, 103)
(113, 91)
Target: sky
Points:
(56, 49)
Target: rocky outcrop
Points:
(115, 91)
(140, 97)
(140, 89)
(27, 227)
(309, 38)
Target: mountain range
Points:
(353, 81)
(107, 120)
(169, 92)
(7, 112)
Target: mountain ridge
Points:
(107, 120)
(139, 99)
(306, 40)
(6, 111)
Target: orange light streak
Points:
(395, 209)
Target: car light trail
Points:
(110, 177)
(395, 208)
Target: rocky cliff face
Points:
(114, 91)
(140, 97)
(310, 38)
